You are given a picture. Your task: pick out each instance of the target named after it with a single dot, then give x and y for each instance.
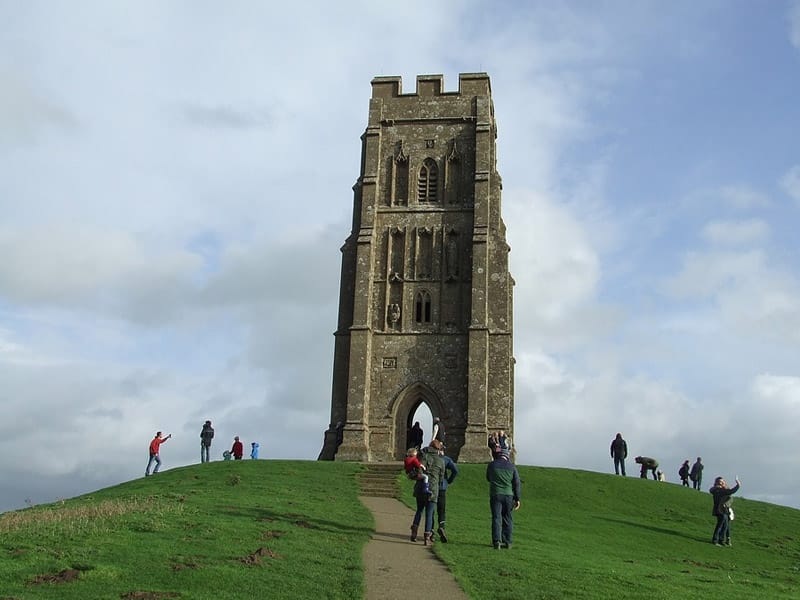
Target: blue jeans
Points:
(502, 520)
(204, 452)
(619, 464)
(153, 459)
(722, 532)
(428, 506)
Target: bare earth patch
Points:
(64, 576)
(255, 557)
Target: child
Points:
(254, 450)
(415, 469)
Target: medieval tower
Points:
(425, 304)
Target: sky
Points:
(176, 183)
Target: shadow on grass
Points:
(295, 519)
(652, 528)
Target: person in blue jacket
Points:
(254, 450)
(450, 473)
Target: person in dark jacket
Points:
(450, 473)
(696, 474)
(683, 473)
(648, 464)
(504, 498)
(426, 502)
(415, 437)
(722, 511)
(619, 452)
(206, 435)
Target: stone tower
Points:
(425, 304)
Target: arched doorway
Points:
(417, 402)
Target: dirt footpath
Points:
(393, 564)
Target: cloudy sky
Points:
(175, 185)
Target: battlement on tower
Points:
(428, 86)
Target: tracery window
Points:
(422, 307)
(427, 181)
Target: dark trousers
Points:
(722, 532)
(643, 472)
(696, 483)
(502, 520)
(619, 465)
(441, 507)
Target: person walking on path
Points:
(683, 473)
(434, 467)
(696, 474)
(155, 446)
(238, 449)
(504, 498)
(648, 464)
(722, 511)
(450, 473)
(206, 435)
(619, 452)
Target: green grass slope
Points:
(222, 531)
(281, 529)
(589, 535)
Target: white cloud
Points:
(794, 23)
(743, 197)
(736, 232)
(790, 182)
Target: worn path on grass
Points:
(393, 565)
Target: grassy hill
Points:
(281, 529)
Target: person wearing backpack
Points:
(206, 435)
(683, 473)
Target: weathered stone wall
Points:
(425, 312)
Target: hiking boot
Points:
(496, 545)
(414, 533)
(726, 543)
(505, 545)
(442, 536)
(427, 538)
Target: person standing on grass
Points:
(450, 473)
(254, 450)
(438, 430)
(722, 511)
(648, 464)
(155, 446)
(416, 436)
(683, 473)
(619, 452)
(238, 449)
(206, 435)
(504, 494)
(434, 467)
(696, 474)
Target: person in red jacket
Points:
(238, 448)
(155, 445)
